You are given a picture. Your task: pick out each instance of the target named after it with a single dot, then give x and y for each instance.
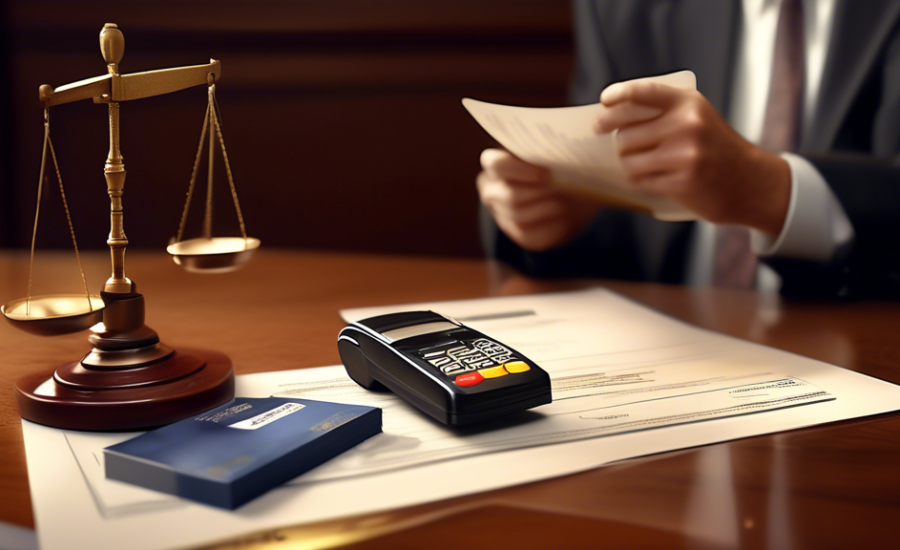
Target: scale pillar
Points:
(114, 170)
(112, 46)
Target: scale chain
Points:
(210, 120)
(190, 193)
(208, 214)
(237, 204)
(62, 192)
(37, 211)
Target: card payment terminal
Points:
(447, 370)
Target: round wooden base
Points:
(128, 398)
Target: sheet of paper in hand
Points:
(562, 140)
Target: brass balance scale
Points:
(129, 380)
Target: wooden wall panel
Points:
(7, 197)
(342, 118)
(278, 16)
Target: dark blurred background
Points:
(342, 118)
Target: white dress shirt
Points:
(816, 224)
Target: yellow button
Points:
(517, 366)
(493, 372)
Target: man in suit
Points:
(803, 175)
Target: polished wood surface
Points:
(829, 486)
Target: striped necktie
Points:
(734, 264)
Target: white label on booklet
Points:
(268, 417)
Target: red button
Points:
(469, 379)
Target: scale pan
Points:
(217, 255)
(54, 314)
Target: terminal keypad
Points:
(471, 362)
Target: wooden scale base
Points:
(184, 384)
(129, 381)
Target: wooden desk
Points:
(836, 485)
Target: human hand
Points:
(525, 206)
(673, 142)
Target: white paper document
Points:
(626, 382)
(562, 140)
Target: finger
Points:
(643, 136)
(494, 190)
(651, 94)
(543, 236)
(535, 213)
(643, 164)
(622, 115)
(660, 160)
(667, 184)
(503, 165)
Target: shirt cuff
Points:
(815, 225)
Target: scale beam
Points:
(76, 91)
(127, 87)
(164, 81)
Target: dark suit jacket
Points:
(853, 140)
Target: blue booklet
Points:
(236, 452)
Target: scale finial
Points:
(45, 92)
(112, 44)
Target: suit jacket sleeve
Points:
(868, 267)
(864, 174)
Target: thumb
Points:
(651, 94)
